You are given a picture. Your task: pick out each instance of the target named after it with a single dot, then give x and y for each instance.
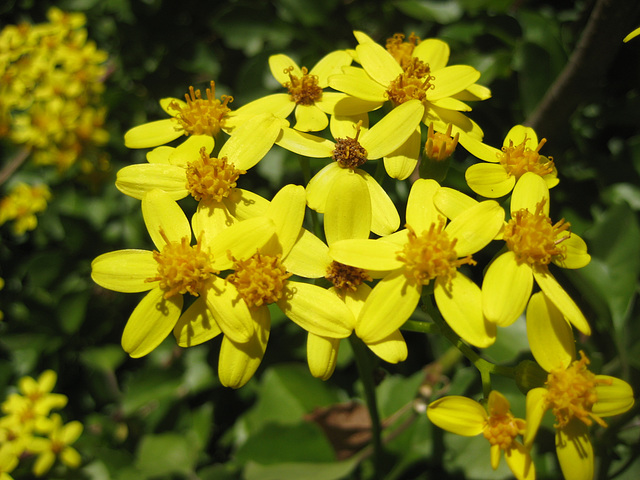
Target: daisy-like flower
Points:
(533, 242)
(177, 268)
(466, 417)
(190, 170)
(306, 96)
(194, 115)
(35, 398)
(260, 278)
(520, 154)
(577, 397)
(425, 251)
(355, 144)
(57, 444)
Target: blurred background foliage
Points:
(166, 416)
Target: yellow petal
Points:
(402, 162)
(517, 135)
(348, 105)
(172, 105)
(549, 334)
(535, 411)
(243, 204)
(451, 202)
(575, 452)
(309, 256)
(196, 325)
(153, 134)
(384, 215)
(378, 63)
(475, 93)
(421, 210)
(476, 227)
(530, 189)
(160, 154)
(388, 306)
(242, 240)
(506, 289)
(287, 212)
(355, 300)
(189, 150)
(330, 64)
(561, 299)
(490, 180)
(309, 118)
(162, 214)
(367, 254)
(392, 130)
(239, 361)
(460, 303)
(348, 208)
(280, 64)
(451, 80)
(231, 313)
(346, 126)
(316, 310)
(434, 52)
(305, 144)
(613, 399)
(457, 414)
(355, 81)
(392, 349)
(278, 104)
(476, 147)
(320, 184)
(210, 218)
(451, 103)
(251, 141)
(125, 270)
(575, 252)
(322, 354)
(519, 460)
(150, 323)
(136, 180)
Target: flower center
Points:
(431, 255)
(519, 159)
(411, 84)
(211, 178)
(502, 428)
(440, 146)
(401, 50)
(182, 268)
(533, 238)
(345, 277)
(260, 279)
(348, 152)
(202, 116)
(572, 393)
(303, 90)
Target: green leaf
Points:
(72, 311)
(164, 454)
(106, 358)
(306, 471)
(431, 11)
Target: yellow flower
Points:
(425, 251)
(8, 461)
(631, 35)
(577, 398)
(21, 205)
(355, 144)
(195, 115)
(520, 153)
(260, 277)
(533, 242)
(189, 169)
(464, 416)
(177, 268)
(57, 444)
(306, 96)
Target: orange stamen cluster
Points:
(533, 238)
(412, 83)
(400, 50)
(440, 146)
(345, 277)
(348, 152)
(211, 178)
(431, 255)
(303, 90)
(202, 116)
(182, 268)
(572, 393)
(519, 159)
(260, 279)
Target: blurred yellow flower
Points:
(21, 205)
(464, 416)
(56, 445)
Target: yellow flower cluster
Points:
(21, 206)
(52, 81)
(29, 428)
(218, 272)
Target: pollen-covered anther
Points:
(519, 159)
(211, 178)
(571, 393)
(345, 277)
(440, 146)
(348, 152)
(259, 279)
(304, 90)
(182, 268)
(431, 255)
(412, 84)
(533, 238)
(202, 116)
(502, 429)
(400, 50)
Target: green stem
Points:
(365, 370)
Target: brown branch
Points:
(13, 164)
(587, 67)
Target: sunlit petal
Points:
(153, 134)
(125, 270)
(489, 180)
(575, 452)
(136, 180)
(309, 256)
(348, 209)
(457, 414)
(196, 325)
(164, 219)
(476, 227)
(322, 354)
(614, 398)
